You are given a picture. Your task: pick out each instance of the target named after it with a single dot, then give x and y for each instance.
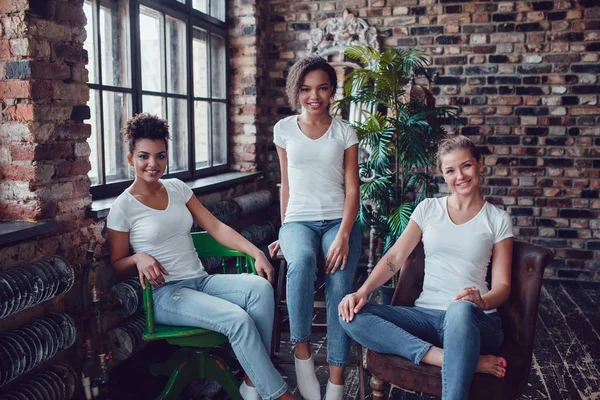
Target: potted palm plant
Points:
(399, 131)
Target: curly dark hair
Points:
(295, 77)
(145, 126)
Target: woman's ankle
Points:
(286, 396)
(336, 374)
(302, 350)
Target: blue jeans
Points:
(464, 331)
(301, 243)
(238, 306)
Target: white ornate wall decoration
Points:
(335, 35)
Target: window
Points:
(167, 58)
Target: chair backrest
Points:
(519, 312)
(206, 246)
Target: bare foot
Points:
(493, 365)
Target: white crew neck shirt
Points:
(457, 256)
(163, 234)
(315, 169)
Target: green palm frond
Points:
(377, 189)
(367, 55)
(425, 185)
(413, 61)
(400, 137)
(399, 218)
(364, 217)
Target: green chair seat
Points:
(192, 337)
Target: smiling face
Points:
(149, 159)
(316, 92)
(461, 171)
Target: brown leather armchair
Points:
(519, 315)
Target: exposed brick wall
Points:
(526, 76)
(44, 157)
(247, 63)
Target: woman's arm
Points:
(501, 273)
(229, 237)
(284, 194)
(391, 263)
(338, 251)
(387, 266)
(124, 264)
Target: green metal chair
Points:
(200, 355)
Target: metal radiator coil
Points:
(31, 284)
(24, 348)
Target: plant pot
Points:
(387, 292)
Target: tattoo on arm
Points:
(390, 266)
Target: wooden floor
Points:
(566, 359)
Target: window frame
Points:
(193, 19)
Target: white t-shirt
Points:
(457, 256)
(163, 234)
(315, 169)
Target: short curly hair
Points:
(298, 71)
(145, 126)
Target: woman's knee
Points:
(301, 259)
(353, 328)
(241, 321)
(462, 311)
(338, 285)
(262, 290)
(261, 286)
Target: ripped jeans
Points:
(238, 306)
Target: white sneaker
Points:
(334, 392)
(307, 379)
(248, 392)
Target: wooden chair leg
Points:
(187, 365)
(181, 356)
(279, 296)
(379, 388)
(361, 371)
(181, 375)
(217, 370)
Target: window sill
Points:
(100, 208)
(17, 231)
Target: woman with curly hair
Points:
(318, 156)
(154, 216)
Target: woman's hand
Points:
(150, 268)
(264, 267)
(472, 294)
(274, 249)
(351, 304)
(337, 255)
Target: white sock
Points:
(248, 392)
(307, 379)
(334, 392)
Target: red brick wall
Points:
(246, 61)
(526, 76)
(44, 157)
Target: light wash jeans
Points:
(301, 243)
(464, 331)
(238, 306)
